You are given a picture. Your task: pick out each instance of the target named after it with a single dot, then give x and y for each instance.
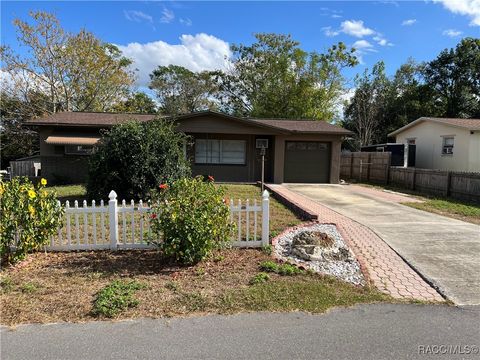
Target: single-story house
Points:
(224, 146)
(443, 143)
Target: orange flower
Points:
(163, 186)
(211, 178)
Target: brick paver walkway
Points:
(385, 268)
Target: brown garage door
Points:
(307, 162)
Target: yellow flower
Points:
(43, 181)
(31, 210)
(31, 194)
(2, 190)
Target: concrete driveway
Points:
(445, 251)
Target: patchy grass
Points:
(456, 209)
(116, 297)
(260, 278)
(70, 286)
(452, 208)
(70, 192)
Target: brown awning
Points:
(72, 140)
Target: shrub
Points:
(269, 266)
(260, 278)
(189, 219)
(288, 270)
(281, 269)
(133, 158)
(115, 297)
(267, 249)
(29, 215)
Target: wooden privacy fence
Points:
(127, 226)
(375, 167)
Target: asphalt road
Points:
(444, 250)
(377, 331)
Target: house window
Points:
(78, 149)
(411, 141)
(447, 148)
(220, 151)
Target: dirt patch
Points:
(57, 287)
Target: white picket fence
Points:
(127, 226)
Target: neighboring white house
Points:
(443, 143)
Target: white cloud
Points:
(381, 40)
(186, 21)
(409, 22)
(137, 16)
(167, 16)
(195, 52)
(328, 31)
(355, 28)
(362, 44)
(452, 33)
(470, 8)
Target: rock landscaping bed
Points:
(321, 248)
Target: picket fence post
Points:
(265, 218)
(113, 219)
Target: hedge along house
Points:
(224, 146)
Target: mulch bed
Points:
(58, 287)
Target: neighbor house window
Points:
(78, 149)
(447, 148)
(214, 151)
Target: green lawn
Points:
(69, 192)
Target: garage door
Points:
(307, 162)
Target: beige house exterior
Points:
(443, 143)
(224, 146)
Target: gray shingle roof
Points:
(96, 119)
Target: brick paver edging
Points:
(378, 261)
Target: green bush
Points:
(133, 158)
(260, 278)
(269, 266)
(189, 219)
(29, 215)
(115, 297)
(288, 270)
(281, 269)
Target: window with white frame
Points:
(214, 151)
(447, 147)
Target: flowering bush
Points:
(189, 219)
(29, 215)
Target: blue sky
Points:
(197, 34)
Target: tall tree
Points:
(180, 90)
(16, 140)
(365, 113)
(274, 77)
(455, 77)
(73, 71)
(136, 102)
